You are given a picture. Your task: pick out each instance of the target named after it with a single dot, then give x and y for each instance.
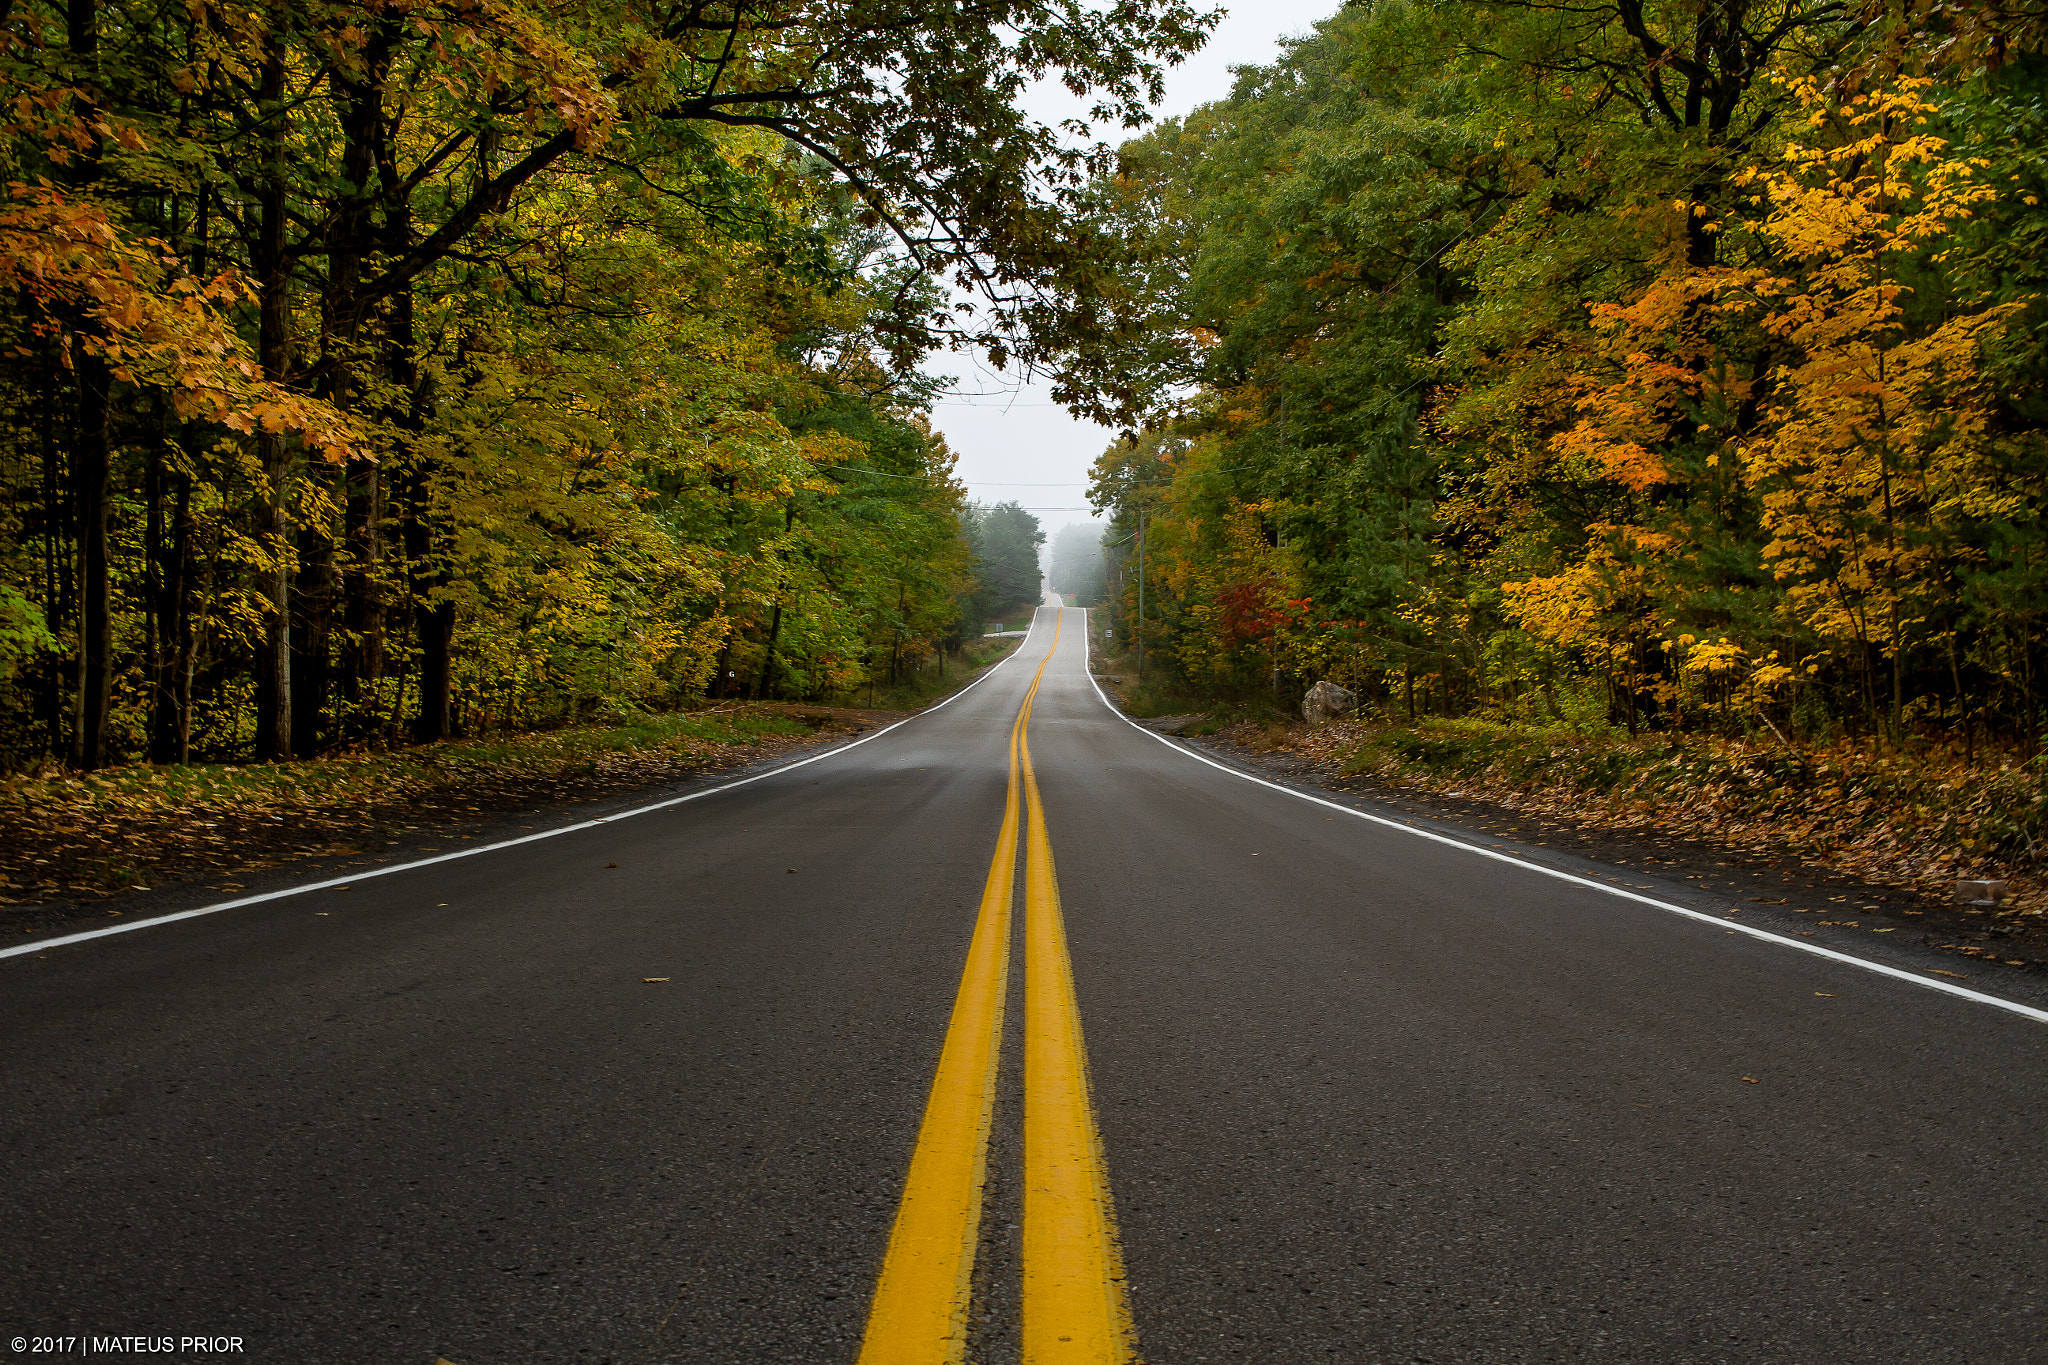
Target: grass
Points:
(1016, 616)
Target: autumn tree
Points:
(1650, 364)
(360, 395)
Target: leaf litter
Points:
(1769, 824)
(68, 841)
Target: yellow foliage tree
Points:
(1875, 438)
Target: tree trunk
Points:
(775, 626)
(351, 239)
(170, 550)
(768, 659)
(312, 652)
(427, 572)
(58, 580)
(435, 623)
(362, 674)
(411, 481)
(433, 615)
(718, 681)
(273, 653)
(90, 444)
(90, 468)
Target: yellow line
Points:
(919, 1314)
(1075, 1312)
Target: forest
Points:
(1077, 567)
(389, 371)
(1675, 365)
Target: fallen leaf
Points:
(1760, 900)
(653, 980)
(1957, 975)
(1752, 1080)
(789, 869)
(1885, 931)
(1825, 995)
(611, 864)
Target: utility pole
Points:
(1141, 593)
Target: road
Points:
(1324, 1089)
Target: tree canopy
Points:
(391, 369)
(1662, 364)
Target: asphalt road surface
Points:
(1329, 1090)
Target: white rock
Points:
(1980, 893)
(1326, 701)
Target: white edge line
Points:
(1962, 992)
(40, 945)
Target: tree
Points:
(1005, 540)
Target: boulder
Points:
(1327, 701)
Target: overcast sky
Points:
(1014, 442)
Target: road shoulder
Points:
(1783, 895)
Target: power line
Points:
(1072, 483)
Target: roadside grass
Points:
(1922, 820)
(1015, 616)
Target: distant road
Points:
(1204, 1070)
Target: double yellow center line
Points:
(1074, 1307)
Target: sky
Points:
(1014, 442)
